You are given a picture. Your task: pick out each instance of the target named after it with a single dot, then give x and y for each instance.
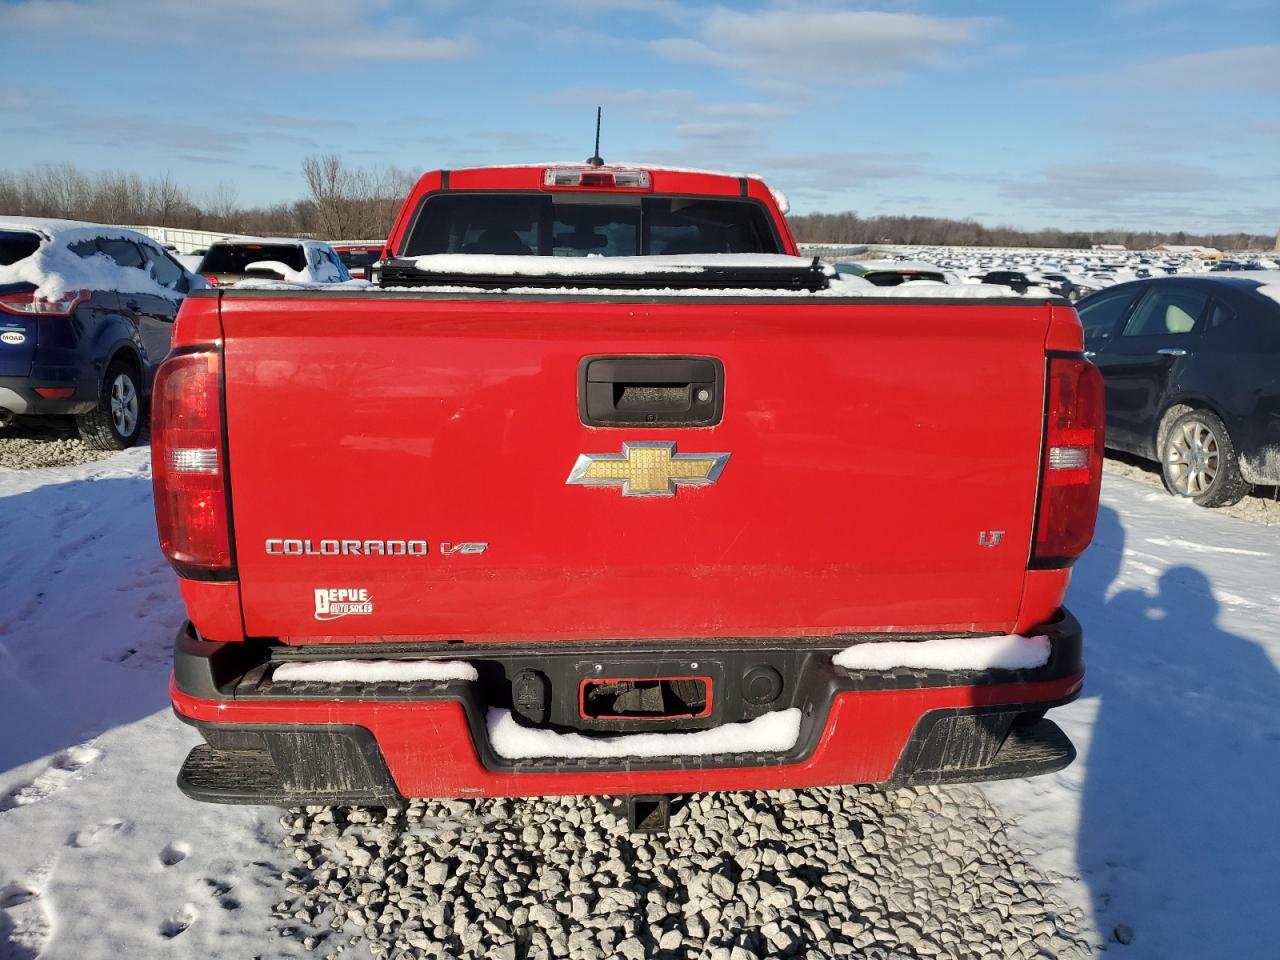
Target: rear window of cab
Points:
(580, 225)
(359, 257)
(236, 257)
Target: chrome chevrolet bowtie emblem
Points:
(647, 469)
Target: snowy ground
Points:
(100, 856)
(1168, 817)
(1164, 826)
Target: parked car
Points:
(891, 273)
(86, 316)
(606, 421)
(358, 255)
(1020, 281)
(1065, 286)
(1192, 371)
(272, 258)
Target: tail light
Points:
(189, 462)
(595, 178)
(28, 304)
(210, 279)
(1071, 472)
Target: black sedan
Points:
(1192, 370)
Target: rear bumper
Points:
(298, 743)
(18, 396)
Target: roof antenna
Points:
(595, 160)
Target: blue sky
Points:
(1142, 113)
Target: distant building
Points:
(1110, 247)
(1193, 250)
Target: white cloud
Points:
(854, 48)
(668, 9)
(1255, 67)
(318, 34)
(1114, 181)
(1240, 67)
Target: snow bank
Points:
(772, 733)
(948, 653)
(375, 671)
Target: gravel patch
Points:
(30, 448)
(1263, 507)
(832, 872)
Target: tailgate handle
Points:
(636, 391)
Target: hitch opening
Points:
(649, 813)
(645, 698)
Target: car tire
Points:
(116, 422)
(1198, 461)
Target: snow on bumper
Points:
(775, 732)
(1010, 652)
(291, 744)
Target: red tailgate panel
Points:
(869, 446)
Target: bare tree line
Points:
(348, 203)
(342, 202)
(848, 227)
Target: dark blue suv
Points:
(86, 316)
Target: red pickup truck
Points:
(605, 491)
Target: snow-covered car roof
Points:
(1261, 277)
(69, 231)
(871, 266)
(1264, 282)
(55, 270)
(277, 241)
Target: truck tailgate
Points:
(871, 448)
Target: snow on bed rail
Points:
(775, 732)
(1010, 652)
(524, 266)
(838, 290)
(375, 671)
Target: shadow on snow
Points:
(1178, 817)
(89, 612)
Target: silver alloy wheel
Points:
(1192, 458)
(124, 405)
